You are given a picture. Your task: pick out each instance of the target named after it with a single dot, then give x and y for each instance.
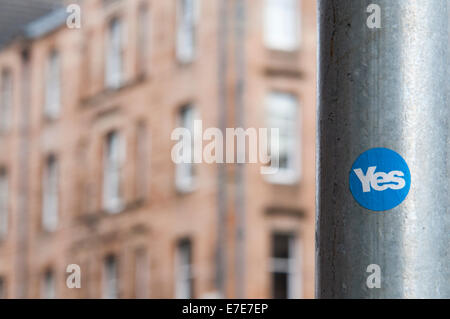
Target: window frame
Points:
(144, 26)
(268, 15)
(6, 99)
(50, 194)
(3, 288)
(292, 174)
(184, 274)
(113, 204)
(290, 266)
(107, 282)
(186, 29)
(48, 283)
(53, 85)
(186, 182)
(114, 76)
(4, 201)
(143, 160)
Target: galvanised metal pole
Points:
(383, 149)
(222, 194)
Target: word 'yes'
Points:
(380, 181)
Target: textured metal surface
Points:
(388, 88)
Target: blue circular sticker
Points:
(380, 179)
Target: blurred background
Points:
(86, 174)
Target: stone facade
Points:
(154, 216)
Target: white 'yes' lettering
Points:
(380, 181)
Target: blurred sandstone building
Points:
(86, 175)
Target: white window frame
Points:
(115, 44)
(185, 172)
(113, 165)
(50, 194)
(142, 272)
(282, 24)
(290, 266)
(290, 137)
(48, 288)
(6, 100)
(183, 270)
(187, 21)
(53, 86)
(110, 278)
(4, 203)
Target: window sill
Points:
(3, 239)
(93, 217)
(185, 189)
(50, 119)
(5, 132)
(185, 63)
(117, 209)
(283, 63)
(123, 208)
(273, 211)
(107, 92)
(285, 52)
(48, 232)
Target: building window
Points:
(143, 38)
(114, 160)
(48, 290)
(53, 86)
(282, 114)
(2, 288)
(185, 171)
(285, 268)
(6, 95)
(114, 55)
(142, 160)
(4, 209)
(187, 12)
(141, 274)
(50, 199)
(184, 285)
(110, 278)
(282, 24)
